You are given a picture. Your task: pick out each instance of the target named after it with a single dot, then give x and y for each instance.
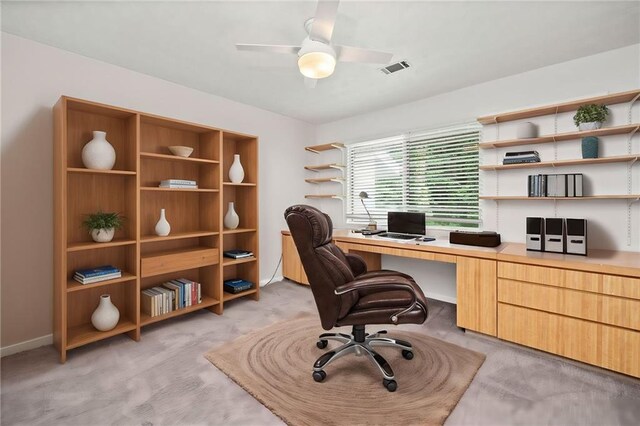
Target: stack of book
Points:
(179, 183)
(521, 157)
(237, 285)
(170, 296)
(568, 185)
(238, 254)
(95, 275)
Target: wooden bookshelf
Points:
(560, 163)
(230, 296)
(560, 137)
(193, 249)
(615, 98)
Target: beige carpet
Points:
(275, 365)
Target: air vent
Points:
(398, 66)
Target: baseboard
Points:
(266, 280)
(442, 298)
(26, 345)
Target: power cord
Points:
(274, 272)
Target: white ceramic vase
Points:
(98, 153)
(102, 235)
(592, 125)
(231, 219)
(163, 227)
(106, 315)
(236, 172)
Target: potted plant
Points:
(590, 117)
(103, 225)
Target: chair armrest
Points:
(357, 264)
(383, 284)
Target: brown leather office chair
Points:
(346, 294)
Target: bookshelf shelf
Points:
(592, 197)
(207, 302)
(168, 157)
(101, 172)
(73, 285)
(324, 196)
(83, 334)
(615, 98)
(158, 189)
(618, 130)
(227, 261)
(560, 163)
(325, 180)
(95, 246)
(194, 248)
(238, 184)
(238, 231)
(316, 149)
(177, 236)
(229, 296)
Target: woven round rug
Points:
(274, 365)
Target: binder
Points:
(579, 190)
(551, 186)
(571, 185)
(561, 185)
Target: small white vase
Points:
(592, 125)
(231, 219)
(162, 227)
(98, 153)
(102, 235)
(106, 315)
(236, 172)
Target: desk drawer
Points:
(594, 307)
(585, 281)
(621, 286)
(606, 346)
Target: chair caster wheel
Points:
(321, 344)
(319, 376)
(391, 385)
(407, 354)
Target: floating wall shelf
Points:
(559, 163)
(616, 98)
(324, 167)
(317, 149)
(592, 197)
(340, 197)
(324, 180)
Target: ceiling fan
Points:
(317, 57)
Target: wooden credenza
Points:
(583, 308)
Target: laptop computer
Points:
(404, 225)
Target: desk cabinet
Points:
(589, 317)
(476, 294)
(291, 266)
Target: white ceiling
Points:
(449, 44)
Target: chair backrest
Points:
(324, 263)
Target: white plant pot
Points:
(98, 153)
(106, 315)
(592, 125)
(102, 235)
(162, 227)
(236, 172)
(231, 219)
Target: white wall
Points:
(608, 72)
(34, 76)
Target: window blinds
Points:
(435, 172)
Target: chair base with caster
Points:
(361, 343)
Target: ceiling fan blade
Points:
(310, 83)
(356, 54)
(324, 21)
(270, 48)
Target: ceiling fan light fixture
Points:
(316, 64)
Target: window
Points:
(435, 172)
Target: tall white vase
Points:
(163, 227)
(98, 153)
(236, 172)
(231, 219)
(106, 315)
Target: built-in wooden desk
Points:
(584, 308)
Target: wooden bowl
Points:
(181, 151)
